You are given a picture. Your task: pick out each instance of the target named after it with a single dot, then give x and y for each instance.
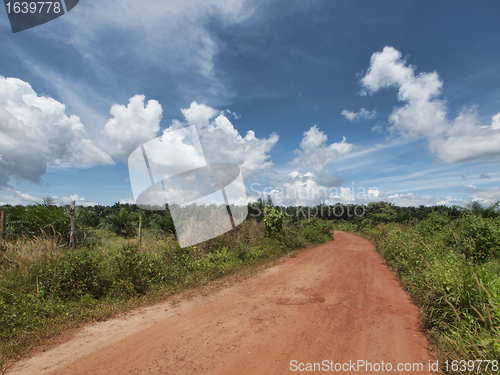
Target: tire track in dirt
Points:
(336, 302)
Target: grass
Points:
(46, 289)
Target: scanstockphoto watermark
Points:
(330, 199)
(294, 193)
(338, 210)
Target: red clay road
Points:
(332, 305)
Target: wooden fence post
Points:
(3, 226)
(140, 227)
(72, 233)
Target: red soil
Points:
(336, 303)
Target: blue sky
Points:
(351, 101)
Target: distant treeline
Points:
(123, 218)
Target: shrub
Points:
(273, 221)
(78, 273)
(434, 222)
(480, 237)
(316, 230)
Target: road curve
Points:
(332, 305)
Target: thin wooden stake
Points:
(72, 233)
(3, 226)
(140, 227)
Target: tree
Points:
(48, 201)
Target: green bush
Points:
(316, 230)
(78, 273)
(274, 220)
(241, 252)
(480, 237)
(136, 271)
(434, 222)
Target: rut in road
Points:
(336, 302)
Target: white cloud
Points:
(133, 125)
(363, 114)
(127, 200)
(485, 196)
(467, 140)
(16, 197)
(199, 115)
(424, 115)
(296, 189)
(309, 189)
(36, 133)
(222, 143)
(304, 190)
(450, 201)
(79, 201)
(495, 121)
(315, 153)
(410, 199)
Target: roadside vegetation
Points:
(46, 287)
(449, 261)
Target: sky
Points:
(317, 101)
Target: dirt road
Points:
(337, 304)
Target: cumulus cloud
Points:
(36, 133)
(133, 125)
(363, 114)
(222, 143)
(425, 115)
(315, 153)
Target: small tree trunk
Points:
(72, 233)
